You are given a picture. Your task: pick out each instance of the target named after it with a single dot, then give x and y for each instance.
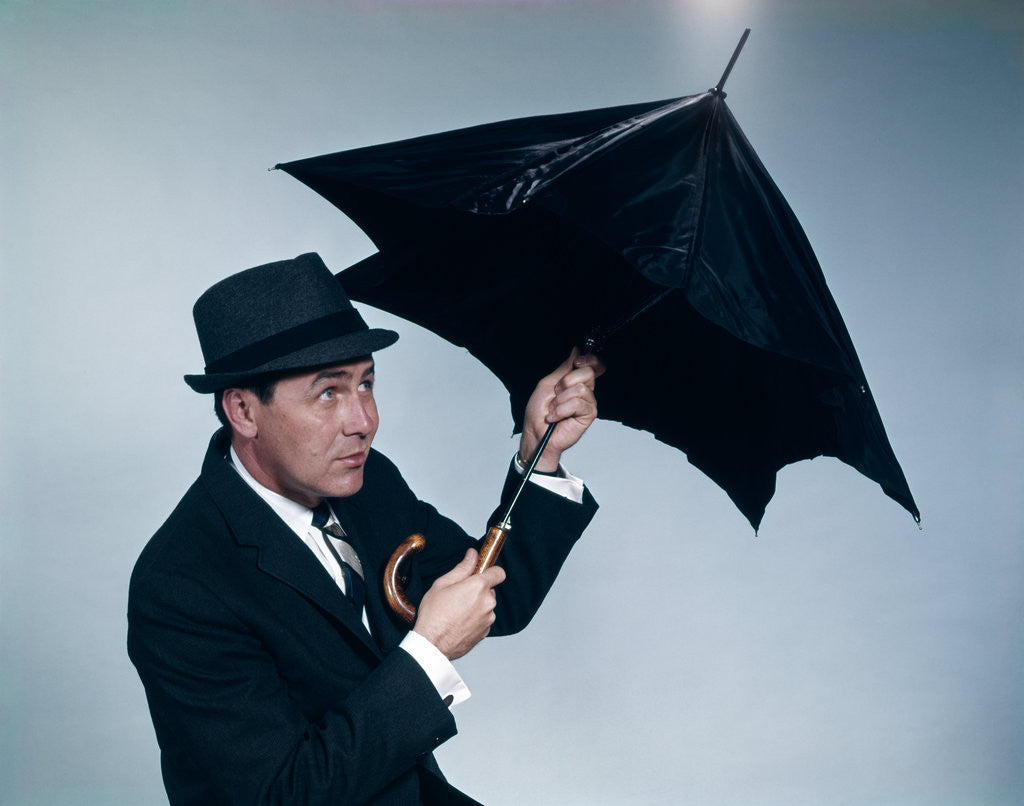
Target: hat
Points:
(275, 318)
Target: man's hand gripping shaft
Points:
(565, 397)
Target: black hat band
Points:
(341, 323)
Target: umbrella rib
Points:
(626, 320)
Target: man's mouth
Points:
(353, 459)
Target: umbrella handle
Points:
(414, 544)
(393, 592)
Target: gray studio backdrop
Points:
(841, 656)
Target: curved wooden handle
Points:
(414, 544)
(393, 592)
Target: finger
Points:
(560, 371)
(576, 362)
(582, 376)
(493, 576)
(592, 361)
(573, 391)
(571, 413)
(577, 398)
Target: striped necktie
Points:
(355, 587)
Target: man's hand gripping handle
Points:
(414, 544)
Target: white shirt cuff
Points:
(564, 484)
(450, 686)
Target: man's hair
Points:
(262, 387)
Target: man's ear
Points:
(239, 409)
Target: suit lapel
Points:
(280, 553)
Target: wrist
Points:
(446, 681)
(556, 471)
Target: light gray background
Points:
(841, 656)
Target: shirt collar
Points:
(298, 517)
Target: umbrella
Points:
(654, 229)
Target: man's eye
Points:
(366, 386)
(327, 394)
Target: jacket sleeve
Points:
(545, 527)
(221, 704)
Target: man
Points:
(275, 671)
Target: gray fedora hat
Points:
(276, 318)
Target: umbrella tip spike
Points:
(717, 89)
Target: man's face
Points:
(314, 434)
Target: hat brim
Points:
(334, 351)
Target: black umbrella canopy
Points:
(654, 226)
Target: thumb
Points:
(462, 571)
(566, 366)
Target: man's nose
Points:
(358, 419)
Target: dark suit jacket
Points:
(264, 685)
